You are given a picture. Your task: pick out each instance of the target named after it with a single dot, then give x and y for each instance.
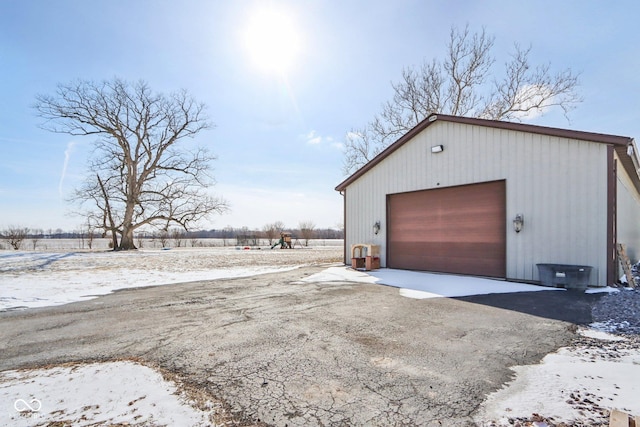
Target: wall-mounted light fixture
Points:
(518, 223)
(376, 227)
(437, 148)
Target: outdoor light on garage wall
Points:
(437, 148)
(376, 227)
(518, 222)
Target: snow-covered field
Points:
(578, 383)
(41, 279)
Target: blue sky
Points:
(278, 135)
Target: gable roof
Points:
(620, 143)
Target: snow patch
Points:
(99, 393)
(570, 384)
(599, 334)
(421, 285)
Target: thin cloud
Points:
(312, 138)
(338, 146)
(67, 156)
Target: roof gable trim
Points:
(519, 127)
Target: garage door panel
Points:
(452, 249)
(456, 230)
(452, 257)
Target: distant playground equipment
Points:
(285, 242)
(368, 256)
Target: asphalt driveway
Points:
(282, 352)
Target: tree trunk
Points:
(112, 225)
(126, 241)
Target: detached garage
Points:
(487, 198)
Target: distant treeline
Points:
(225, 233)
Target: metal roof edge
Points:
(519, 127)
(387, 151)
(542, 130)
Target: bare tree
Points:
(35, 237)
(307, 231)
(141, 174)
(15, 236)
(80, 235)
(163, 236)
(90, 236)
(269, 233)
(177, 236)
(227, 233)
(272, 231)
(461, 85)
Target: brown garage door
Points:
(452, 230)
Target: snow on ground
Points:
(421, 285)
(42, 279)
(582, 383)
(578, 383)
(93, 394)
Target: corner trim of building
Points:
(611, 215)
(344, 225)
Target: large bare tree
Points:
(141, 174)
(465, 83)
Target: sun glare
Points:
(272, 40)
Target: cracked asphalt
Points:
(282, 352)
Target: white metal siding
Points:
(558, 184)
(628, 214)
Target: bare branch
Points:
(524, 91)
(461, 85)
(467, 66)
